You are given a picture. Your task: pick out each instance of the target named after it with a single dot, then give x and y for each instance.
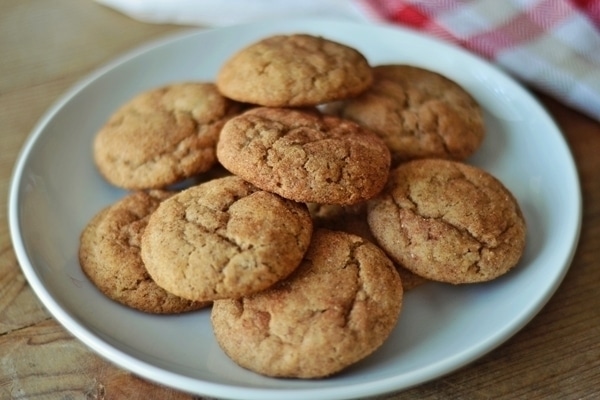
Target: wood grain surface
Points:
(48, 45)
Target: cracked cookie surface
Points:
(162, 136)
(224, 238)
(448, 221)
(418, 113)
(338, 307)
(294, 70)
(304, 156)
(353, 219)
(109, 255)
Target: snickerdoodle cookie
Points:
(224, 239)
(304, 156)
(448, 221)
(162, 136)
(338, 307)
(294, 70)
(109, 255)
(418, 113)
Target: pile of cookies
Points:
(298, 196)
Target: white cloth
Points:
(231, 12)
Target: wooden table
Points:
(46, 46)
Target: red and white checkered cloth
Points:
(550, 45)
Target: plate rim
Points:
(193, 385)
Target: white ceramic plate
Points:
(56, 190)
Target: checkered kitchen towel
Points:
(551, 45)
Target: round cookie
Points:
(304, 156)
(294, 70)
(448, 221)
(418, 113)
(337, 308)
(109, 255)
(162, 136)
(224, 239)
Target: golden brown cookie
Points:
(109, 255)
(294, 70)
(418, 113)
(304, 156)
(338, 307)
(162, 136)
(353, 219)
(448, 221)
(224, 238)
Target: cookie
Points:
(448, 221)
(293, 71)
(162, 136)
(353, 219)
(418, 113)
(224, 238)
(304, 156)
(337, 308)
(109, 255)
